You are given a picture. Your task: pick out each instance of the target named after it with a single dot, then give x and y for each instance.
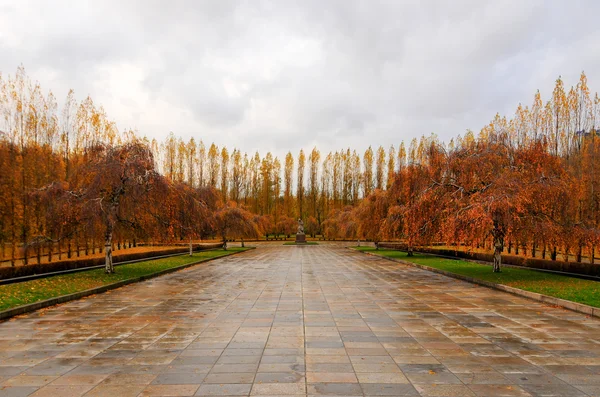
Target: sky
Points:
(284, 75)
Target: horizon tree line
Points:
(428, 191)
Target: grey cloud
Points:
(279, 75)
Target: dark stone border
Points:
(31, 307)
(576, 307)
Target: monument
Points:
(300, 236)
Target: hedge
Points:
(587, 269)
(70, 264)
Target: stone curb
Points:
(576, 307)
(31, 307)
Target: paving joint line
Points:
(32, 307)
(541, 298)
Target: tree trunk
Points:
(59, 249)
(49, 252)
(592, 252)
(108, 259)
(498, 240)
(533, 250)
(243, 243)
(566, 253)
(39, 253)
(410, 251)
(579, 253)
(544, 251)
(509, 246)
(13, 253)
(69, 249)
(108, 263)
(553, 253)
(190, 246)
(497, 259)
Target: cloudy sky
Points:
(281, 75)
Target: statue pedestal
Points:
(300, 238)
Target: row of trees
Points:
(73, 179)
(529, 183)
(308, 185)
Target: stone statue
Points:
(300, 226)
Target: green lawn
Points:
(306, 243)
(13, 295)
(569, 288)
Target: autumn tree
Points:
(287, 184)
(371, 215)
(119, 176)
(368, 172)
(380, 169)
(235, 222)
(300, 181)
(313, 181)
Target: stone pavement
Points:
(315, 320)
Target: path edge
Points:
(550, 300)
(31, 307)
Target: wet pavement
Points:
(314, 320)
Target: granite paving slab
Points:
(301, 320)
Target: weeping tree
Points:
(236, 222)
(121, 183)
(189, 212)
(494, 191)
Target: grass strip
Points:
(13, 295)
(573, 289)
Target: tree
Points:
(313, 180)
(287, 184)
(368, 173)
(236, 222)
(312, 226)
(391, 167)
(300, 180)
(380, 169)
(201, 164)
(496, 190)
(237, 175)
(224, 173)
(371, 215)
(213, 165)
(120, 176)
(286, 226)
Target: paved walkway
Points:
(312, 320)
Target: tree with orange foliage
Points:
(119, 177)
(286, 226)
(371, 214)
(495, 190)
(236, 222)
(311, 226)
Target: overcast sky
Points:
(281, 75)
